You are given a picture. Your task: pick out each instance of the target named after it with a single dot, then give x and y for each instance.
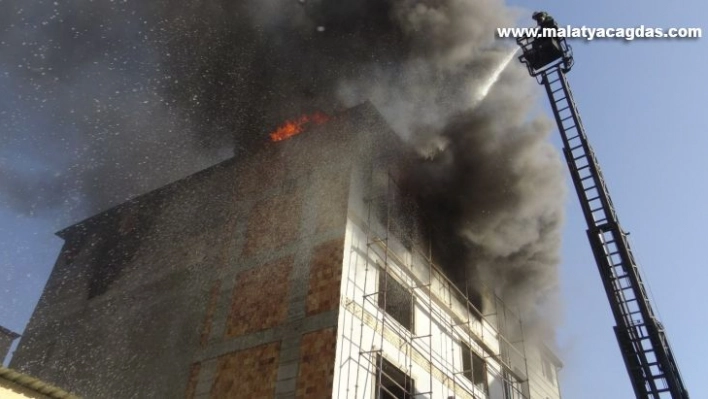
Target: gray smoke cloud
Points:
(102, 101)
(495, 193)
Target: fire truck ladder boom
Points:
(642, 341)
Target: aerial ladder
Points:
(641, 337)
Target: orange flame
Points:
(297, 126)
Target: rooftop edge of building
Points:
(355, 119)
(8, 333)
(10, 377)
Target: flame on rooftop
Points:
(296, 126)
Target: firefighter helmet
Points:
(539, 16)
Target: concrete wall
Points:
(542, 383)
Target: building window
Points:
(472, 300)
(513, 389)
(391, 382)
(474, 368)
(396, 300)
(548, 370)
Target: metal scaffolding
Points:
(446, 310)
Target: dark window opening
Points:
(472, 299)
(474, 368)
(396, 300)
(449, 254)
(403, 220)
(391, 382)
(120, 237)
(106, 267)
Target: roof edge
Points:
(9, 332)
(63, 233)
(552, 355)
(34, 384)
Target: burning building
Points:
(327, 259)
(308, 268)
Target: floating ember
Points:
(297, 126)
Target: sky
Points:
(642, 104)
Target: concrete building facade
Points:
(287, 273)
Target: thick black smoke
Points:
(103, 100)
(494, 193)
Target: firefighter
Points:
(544, 20)
(545, 47)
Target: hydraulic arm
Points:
(645, 348)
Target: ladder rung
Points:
(570, 128)
(620, 295)
(576, 147)
(623, 289)
(639, 339)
